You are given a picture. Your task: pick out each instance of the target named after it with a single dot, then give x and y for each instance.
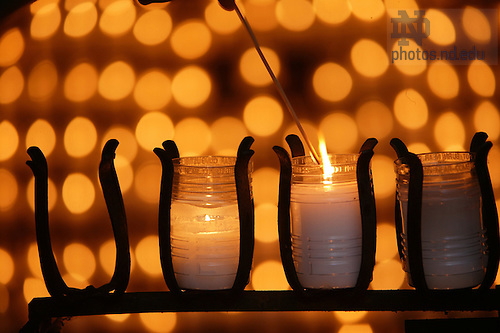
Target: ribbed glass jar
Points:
(453, 242)
(205, 222)
(326, 223)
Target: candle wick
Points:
(277, 84)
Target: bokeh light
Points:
(409, 60)
(118, 18)
(374, 119)
(349, 317)
(443, 31)
(116, 81)
(147, 182)
(369, 58)
(52, 194)
(411, 109)
(266, 226)
(152, 129)
(78, 193)
(159, 322)
(253, 70)
(34, 287)
(269, 275)
(147, 254)
(191, 86)
(42, 81)
(227, 133)
(128, 145)
(9, 139)
(332, 12)
(11, 85)
(79, 261)
(388, 274)
(80, 137)
(367, 10)
(487, 119)
(261, 14)
(481, 78)
(8, 190)
(387, 247)
(476, 25)
(383, 176)
(443, 80)
(11, 47)
(221, 21)
(34, 260)
(263, 115)
(265, 186)
(449, 132)
(80, 20)
(46, 21)
(393, 6)
(152, 91)
(7, 267)
(332, 82)
(295, 15)
(192, 136)
(42, 135)
(80, 83)
(191, 39)
(340, 133)
(153, 27)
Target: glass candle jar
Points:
(453, 242)
(326, 222)
(205, 229)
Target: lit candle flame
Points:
(327, 166)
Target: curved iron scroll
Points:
(245, 209)
(114, 202)
(489, 213)
(367, 207)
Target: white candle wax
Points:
(326, 234)
(205, 246)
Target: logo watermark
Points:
(414, 36)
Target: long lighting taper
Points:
(230, 5)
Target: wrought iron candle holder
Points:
(347, 258)
(446, 217)
(54, 282)
(203, 203)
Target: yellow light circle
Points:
(263, 115)
(476, 25)
(269, 275)
(191, 86)
(124, 172)
(393, 6)
(332, 12)
(387, 275)
(153, 27)
(386, 245)
(116, 81)
(221, 21)
(118, 317)
(42, 81)
(374, 119)
(8, 190)
(410, 59)
(369, 58)
(52, 194)
(152, 91)
(80, 137)
(262, 14)
(80, 20)
(191, 39)
(107, 257)
(118, 18)
(79, 261)
(443, 79)
(34, 287)
(481, 78)
(34, 260)
(11, 85)
(11, 47)
(443, 31)
(383, 176)
(78, 193)
(494, 164)
(45, 21)
(367, 10)
(418, 148)
(9, 139)
(128, 144)
(487, 119)
(147, 254)
(192, 136)
(449, 132)
(266, 225)
(332, 82)
(227, 133)
(340, 133)
(265, 186)
(7, 267)
(80, 83)
(152, 129)
(42, 135)
(159, 322)
(295, 15)
(357, 328)
(410, 109)
(349, 317)
(253, 70)
(147, 182)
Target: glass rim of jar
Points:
(207, 162)
(438, 163)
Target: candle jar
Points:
(445, 222)
(206, 220)
(327, 224)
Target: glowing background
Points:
(76, 73)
